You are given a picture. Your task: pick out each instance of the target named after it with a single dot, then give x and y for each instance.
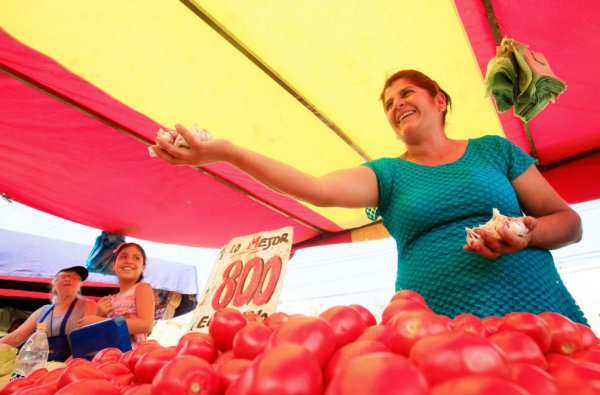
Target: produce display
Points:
(344, 350)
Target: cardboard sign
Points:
(247, 276)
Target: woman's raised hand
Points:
(198, 153)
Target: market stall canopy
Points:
(86, 85)
(26, 256)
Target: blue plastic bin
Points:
(88, 340)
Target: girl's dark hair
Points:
(423, 82)
(139, 247)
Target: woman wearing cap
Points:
(61, 316)
(427, 196)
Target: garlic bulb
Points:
(173, 137)
(514, 225)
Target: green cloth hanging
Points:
(520, 78)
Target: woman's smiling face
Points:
(129, 263)
(409, 108)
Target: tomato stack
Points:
(412, 351)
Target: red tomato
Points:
(382, 373)
(557, 361)
(344, 355)
(193, 335)
(199, 345)
(77, 361)
(450, 355)
(78, 372)
(577, 379)
(251, 340)
(252, 316)
(314, 333)
(530, 324)
(113, 369)
(36, 374)
(346, 322)
(139, 351)
(223, 357)
(14, 385)
(89, 387)
(409, 326)
(151, 342)
(366, 315)
(470, 323)
(381, 333)
(284, 370)
(186, 375)
(138, 389)
(223, 326)
(150, 363)
(491, 323)
(533, 379)
(275, 320)
(408, 294)
(108, 354)
(37, 389)
(588, 337)
(231, 370)
(51, 376)
(518, 347)
(126, 357)
(478, 385)
(585, 356)
(123, 380)
(565, 338)
(400, 305)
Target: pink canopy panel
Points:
(565, 134)
(70, 150)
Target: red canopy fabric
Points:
(566, 134)
(70, 150)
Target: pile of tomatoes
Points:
(345, 351)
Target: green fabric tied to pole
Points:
(520, 78)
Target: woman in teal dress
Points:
(427, 197)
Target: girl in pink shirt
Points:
(135, 299)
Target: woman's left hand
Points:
(491, 247)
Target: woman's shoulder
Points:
(83, 301)
(490, 139)
(493, 143)
(382, 164)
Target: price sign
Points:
(247, 276)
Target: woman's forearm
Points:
(277, 175)
(557, 230)
(12, 339)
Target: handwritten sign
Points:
(247, 276)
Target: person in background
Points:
(135, 300)
(62, 316)
(426, 197)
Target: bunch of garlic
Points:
(172, 136)
(498, 221)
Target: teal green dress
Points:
(426, 210)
